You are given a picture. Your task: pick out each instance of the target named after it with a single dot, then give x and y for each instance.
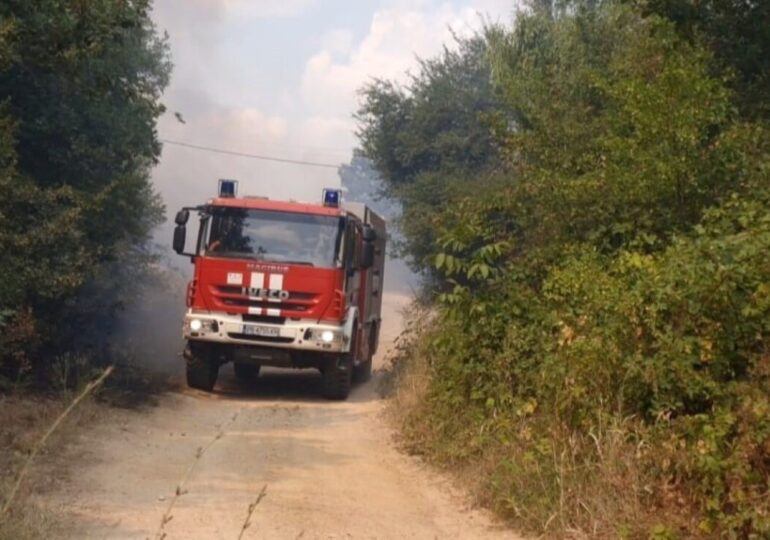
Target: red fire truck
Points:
(284, 284)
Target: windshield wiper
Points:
(255, 257)
(302, 263)
(284, 261)
(233, 255)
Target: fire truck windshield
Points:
(273, 236)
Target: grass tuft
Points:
(41, 443)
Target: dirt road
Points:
(328, 470)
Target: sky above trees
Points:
(281, 79)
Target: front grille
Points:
(264, 304)
(263, 339)
(264, 319)
(293, 295)
(241, 291)
(230, 289)
(238, 297)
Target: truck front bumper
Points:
(302, 335)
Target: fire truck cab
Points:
(284, 284)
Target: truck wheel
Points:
(202, 369)
(337, 377)
(363, 371)
(246, 372)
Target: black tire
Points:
(337, 378)
(202, 367)
(246, 372)
(363, 371)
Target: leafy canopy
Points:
(604, 291)
(81, 83)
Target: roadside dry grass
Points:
(26, 418)
(405, 375)
(591, 485)
(40, 444)
(31, 524)
(28, 415)
(132, 386)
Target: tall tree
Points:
(431, 139)
(738, 33)
(81, 82)
(616, 275)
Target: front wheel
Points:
(363, 371)
(246, 372)
(202, 368)
(337, 378)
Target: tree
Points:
(603, 307)
(82, 82)
(431, 139)
(738, 34)
(621, 133)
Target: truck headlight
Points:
(202, 325)
(325, 336)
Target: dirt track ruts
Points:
(331, 468)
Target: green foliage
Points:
(81, 83)
(738, 33)
(603, 342)
(430, 140)
(417, 129)
(598, 127)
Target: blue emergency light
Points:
(228, 188)
(332, 197)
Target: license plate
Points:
(261, 331)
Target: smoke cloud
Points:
(277, 79)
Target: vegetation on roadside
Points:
(80, 84)
(25, 422)
(600, 362)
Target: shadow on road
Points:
(286, 385)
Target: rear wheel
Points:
(246, 372)
(363, 371)
(202, 367)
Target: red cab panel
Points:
(268, 289)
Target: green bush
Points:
(602, 357)
(664, 357)
(81, 86)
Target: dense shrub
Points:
(80, 85)
(671, 350)
(602, 353)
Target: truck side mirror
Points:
(369, 234)
(181, 217)
(367, 256)
(180, 236)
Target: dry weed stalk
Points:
(180, 486)
(167, 516)
(39, 445)
(252, 507)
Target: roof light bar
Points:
(228, 188)
(332, 197)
